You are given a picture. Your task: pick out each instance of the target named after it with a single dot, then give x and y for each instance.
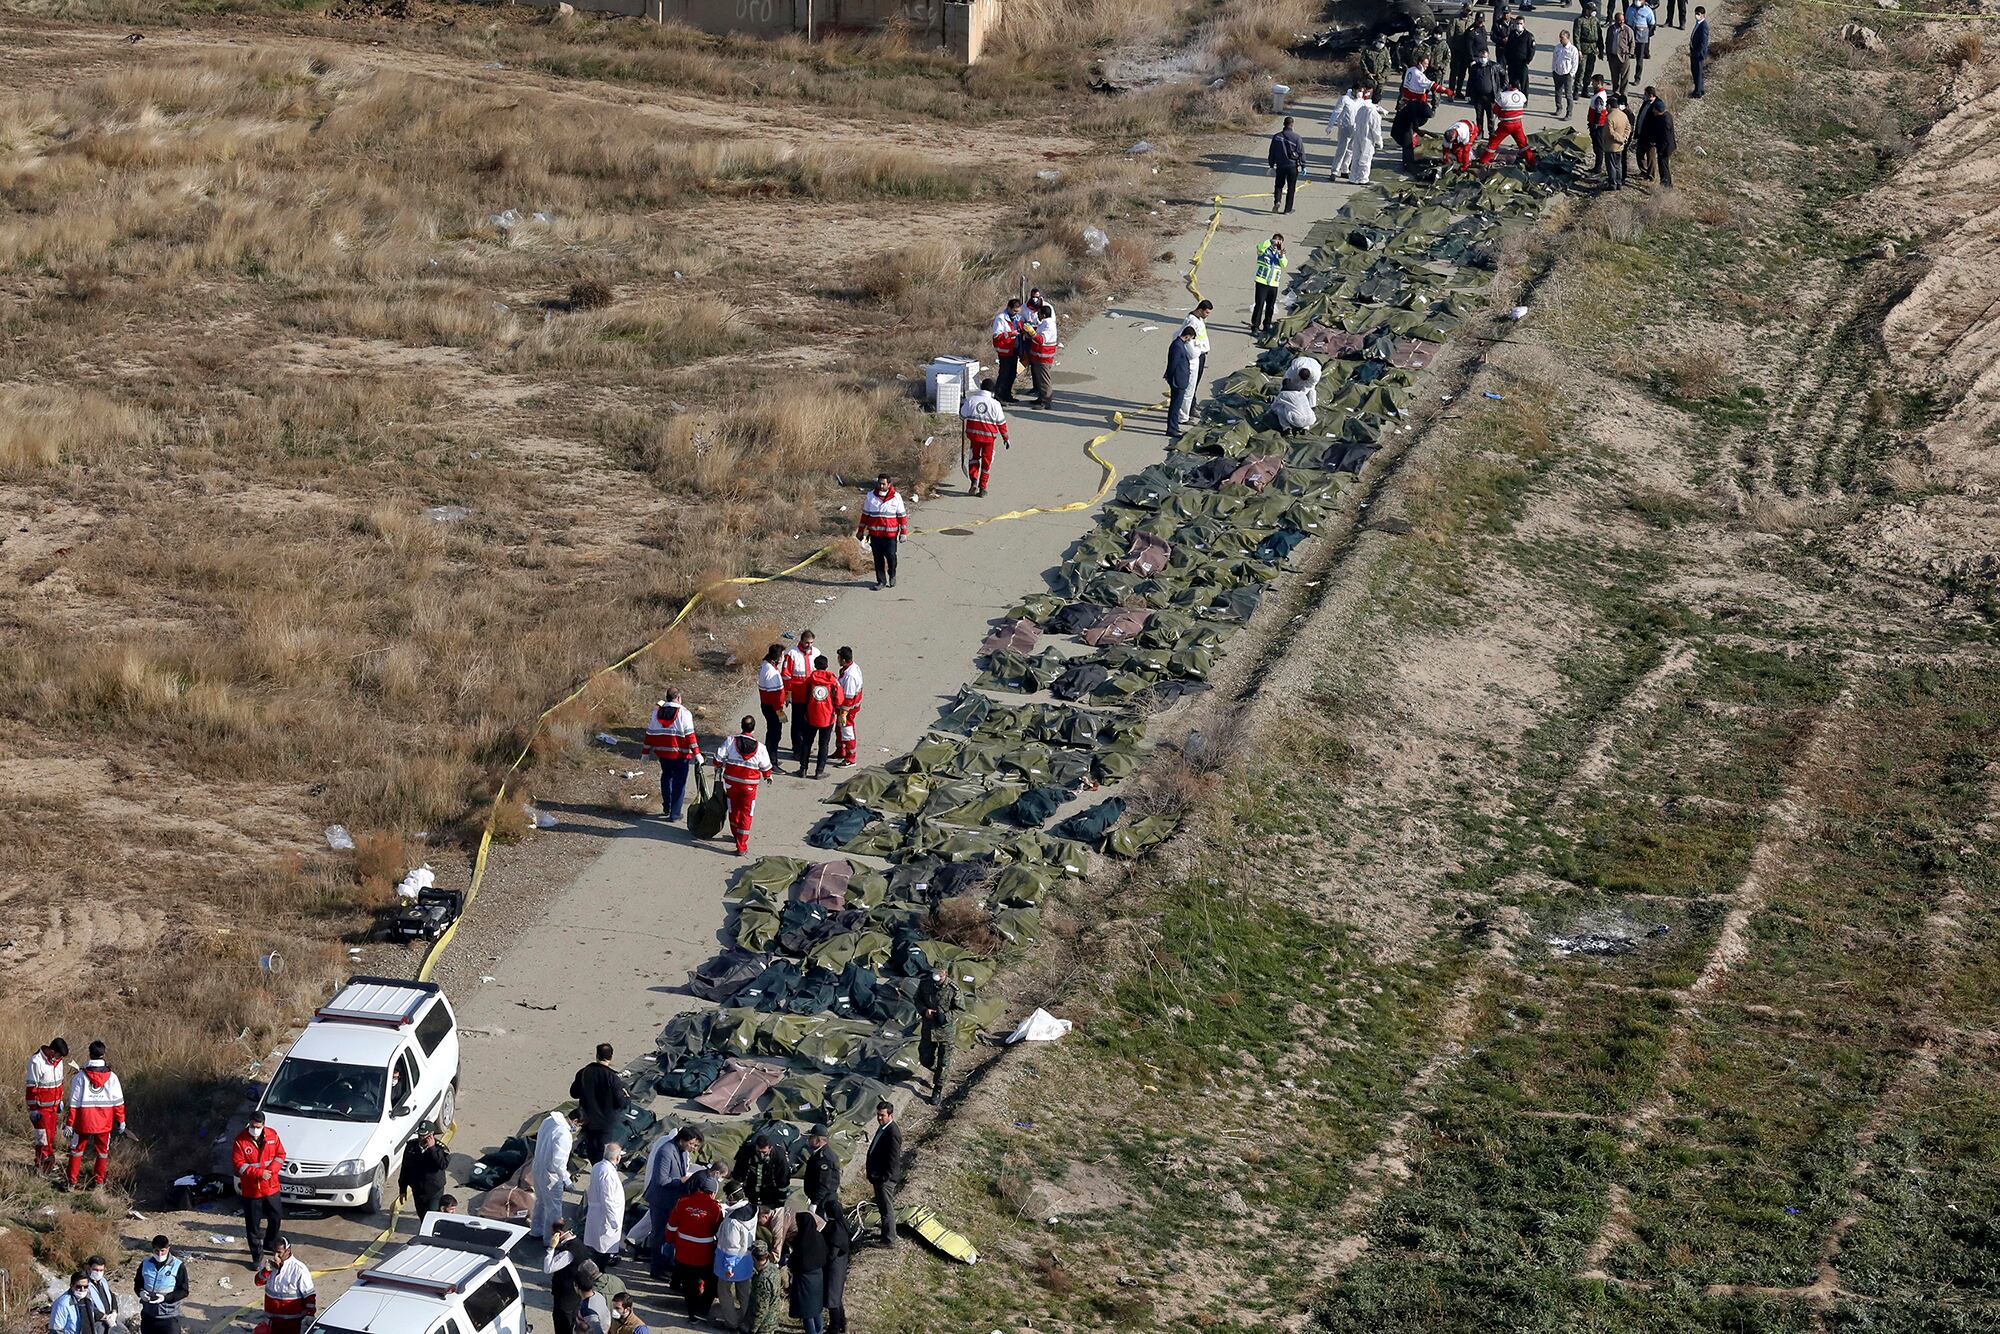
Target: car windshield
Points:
(325, 1090)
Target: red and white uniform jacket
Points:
(770, 685)
(822, 698)
(1600, 110)
(670, 736)
(884, 516)
(289, 1296)
(96, 1101)
(850, 686)
(257, 1163)
(1508, 107)
(744, 762)
(45, 1080)
(1461, 134)
(1417, 85)
(794, 668)
(1042, 339)
(985, 420)
(1006, 333)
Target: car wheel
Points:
(378, 1191)
(447, 1110)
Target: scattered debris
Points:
(338, 839)
(1095, 240)
(539, 818)
(446, 513)
(1048, 174)
(1141, 147)
(1863, 37)
(606, 739)
(1603, 935)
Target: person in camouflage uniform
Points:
(1588, 35)
(1455, 45)
(1375, 60)
(767, 1308)
(1438, 48)
(938, 1004)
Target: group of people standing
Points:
(736, 1247)
(84, 1107)
(1489, 72)
(824, 702)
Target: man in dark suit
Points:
(885, 1167)
(1698, 50)
(1655, 135)
(822, 1173)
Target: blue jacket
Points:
(1287, 150)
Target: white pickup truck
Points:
(377, 1060)
(454, 1277)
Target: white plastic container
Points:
(1279, 92)
(959, 373)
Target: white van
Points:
(453, 1278)
(377, 1060)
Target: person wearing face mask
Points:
(72, 1313)
(161, 1285)
(103, 1306)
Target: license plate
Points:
(295, 1190)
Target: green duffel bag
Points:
(710, 811)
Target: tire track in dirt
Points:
(967, 144)
(1784, 826)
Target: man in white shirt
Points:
(1563, 63)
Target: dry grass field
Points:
(371, 381)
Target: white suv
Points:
(453, 1278)
(376, 1060)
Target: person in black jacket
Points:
(1698, 51)
(1483, 83)
(839, 1251)
(1287, 159)
(424, 1164)
(572, 1276)
(600, 1095)
(1656, 138)
(885, 1167)
(822, 1174)
(763, 1172)
(1520, 53)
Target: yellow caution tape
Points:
(1108, 476)
(367, 1254)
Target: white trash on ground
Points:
(1041, 1026)
(338, 839)
(1095, 241)
(415, 882)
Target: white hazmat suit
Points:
(550, 1173)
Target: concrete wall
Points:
(958, 27)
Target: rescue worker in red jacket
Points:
(1458, 141)
(695, 1220)
(744, 765)
(46, 1070)
(885, 521)
(96, 1113)
(670, 739)
(1041, 337)
(257, 1156)
(1007, 347)
(822, 707)
(795, 667)
(771, 693)
(1508, 110)
(850, 707)
(985, 423)
(290, 1299)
